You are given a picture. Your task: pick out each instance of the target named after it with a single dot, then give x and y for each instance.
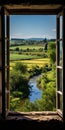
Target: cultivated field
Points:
(29, 55)
(32, 62)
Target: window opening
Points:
(33, 57)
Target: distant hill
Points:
(14, 39)
(32, 39)
(36, 39)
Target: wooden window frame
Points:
(3, 61)
(58, 67)
(5, 44)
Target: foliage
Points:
(13, 103)
(52, 52)
(48, 86)
(19, 82)
(46, 68)
(35, 70)
(29, 106)
(17, 94)
(20, 67)
(49, 97)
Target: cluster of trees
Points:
(19, 81)
(27, 49)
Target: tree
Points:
(21, 67)
(45, 40)
(46, 44)
(17, 49)
(52, 52)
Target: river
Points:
(36, 92)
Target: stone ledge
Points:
(40, 116)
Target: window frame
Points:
(5, 38)
(4, 111)
(58, 66)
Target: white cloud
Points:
(20, 35)
(54, 30)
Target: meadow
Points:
(39, 62)
(27, 46)
(29, 55)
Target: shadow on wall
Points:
(25, 124)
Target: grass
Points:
(15, 57)
(23, 47)
(26, 55)
(50, 75)
(29, 63)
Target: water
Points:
(36, 92)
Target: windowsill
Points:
(38, 116)
(25, 120)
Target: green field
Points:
(28, 57)
(32, 62)
(27, 46)
(21, 57)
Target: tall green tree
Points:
(52, 52)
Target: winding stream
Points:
(36, 92)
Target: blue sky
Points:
(28, 26)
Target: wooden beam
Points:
(33, 11)
(8, 61)
(64, 64)
(3, 60)
(57, 60)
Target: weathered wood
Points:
(3, 59)
(34, 9)
(41, 116)
(64, 64)
(8, 59)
